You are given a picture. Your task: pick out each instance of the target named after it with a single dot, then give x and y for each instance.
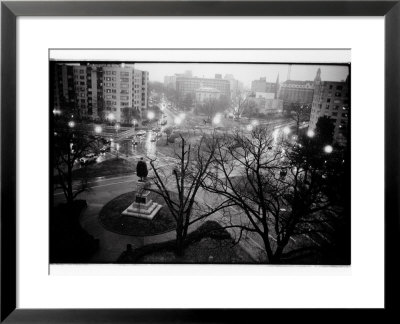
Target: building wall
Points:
(206, 94)
(296, 92)
(185, 85)
(332, 99)
(99, 90)
(263, 86)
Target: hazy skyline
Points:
(246, 72)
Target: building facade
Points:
(205, 94)
(189, 85)
(301, 92)
(332, 99)
(100, 91)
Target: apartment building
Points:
(101, 91)
(332, 99)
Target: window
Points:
(108, 72)
(114, 97)
(124, 74)
(124, 79)
(330, 87)
(124, 103)
(338, 94)
(124, 97)
(334, 114)
(125, 91)
(108, 79)
(108, 96)
(82, 77)
(328, 100)
(114, 72)
(339, 87)
(81, 71)
(108, 90)
(327, 107)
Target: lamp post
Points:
(310, 133)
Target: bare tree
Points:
(278, 194)
(299, 113)
(213, 106)
(193, 164)
(70, 144)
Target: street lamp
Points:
(254, 123)
(177, 120)
(286, 130)
(249, 127)
(150, 115)
(217, 119)
(117, 147)
(98, 129)
(71, 124)
(110, 117)
(310, 133)
(328, 149)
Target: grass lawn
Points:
(106, 168)
(112, 219)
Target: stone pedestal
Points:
(143, 207)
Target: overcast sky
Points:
(245, 72)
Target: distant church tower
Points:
(318, 76)
(277, 87)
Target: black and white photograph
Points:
(199, 162)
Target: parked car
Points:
(105, 148)
(141, 133)
(88, 158)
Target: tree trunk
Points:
(179, 239)
(70, 194)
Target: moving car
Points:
(88, 158)
(141, 133)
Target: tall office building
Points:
(331, 99)
(100, 91)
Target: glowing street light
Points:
(56, 112)
(328, 149)
(177, 120)
(150, 115)
(254, 123)
(249, 127)
(71, 124)
(98, 129)
(217, 119)
(111, 116)
(182, 115)
(286, 130)
(310, 133)
(275, 135)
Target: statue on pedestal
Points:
(143, 206)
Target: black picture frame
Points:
(10, 10)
